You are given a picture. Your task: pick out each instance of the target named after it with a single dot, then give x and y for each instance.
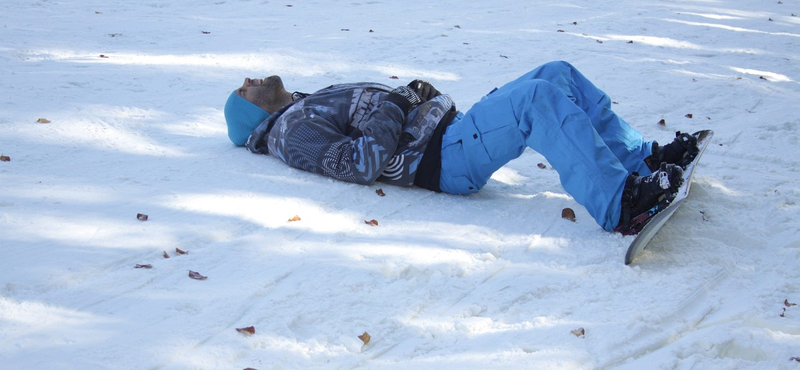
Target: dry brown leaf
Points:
(250, 368)
(380, 192)
(180, 251)
(787, 304)
(196, 275)
(165, 254)
(5, 158)
(579, 332)
(206, 32)
(663, 122)
(796, 359)
(103, 56)
(568, 214)
(43, 120)
(141, 217)
(542, 165)
(295, 218)
(559, 30)
(247, 331)
(689, 115)
(371, 222)
(148, 266)
(394, 77)
(365, 338)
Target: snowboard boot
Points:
(644, 196)
(681, 151)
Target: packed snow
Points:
(130, 97)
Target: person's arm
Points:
(314, 139)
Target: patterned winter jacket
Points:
(359, 133)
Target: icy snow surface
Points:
(496, 280)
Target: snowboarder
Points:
(413, 135)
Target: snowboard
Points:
(665, 211)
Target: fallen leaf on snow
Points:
(365, 338)
(689, 115)
(394, 77)
(579, 332)
(148, 266)
(165, 254)
(663, 122)
(787, 304)
(568, 214)
(180, 251)
(141, 217)
(196, 275)
(247, 331)
(103, 56)
(796, 359)
(541, 165)
(43, 120)
(380, 192)
(295, 218)
(371, 222)
(206, 32)
(5, 158)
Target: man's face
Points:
(267, 93)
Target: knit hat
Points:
(242, 117)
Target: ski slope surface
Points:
(111, 109)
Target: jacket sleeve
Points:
(316, 140)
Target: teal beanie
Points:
(242, 117)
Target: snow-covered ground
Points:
(133, 92)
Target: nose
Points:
(250, 82)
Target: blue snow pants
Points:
(559, 113)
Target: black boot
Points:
(644, 196)
(680, 151)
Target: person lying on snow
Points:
(413, 135)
